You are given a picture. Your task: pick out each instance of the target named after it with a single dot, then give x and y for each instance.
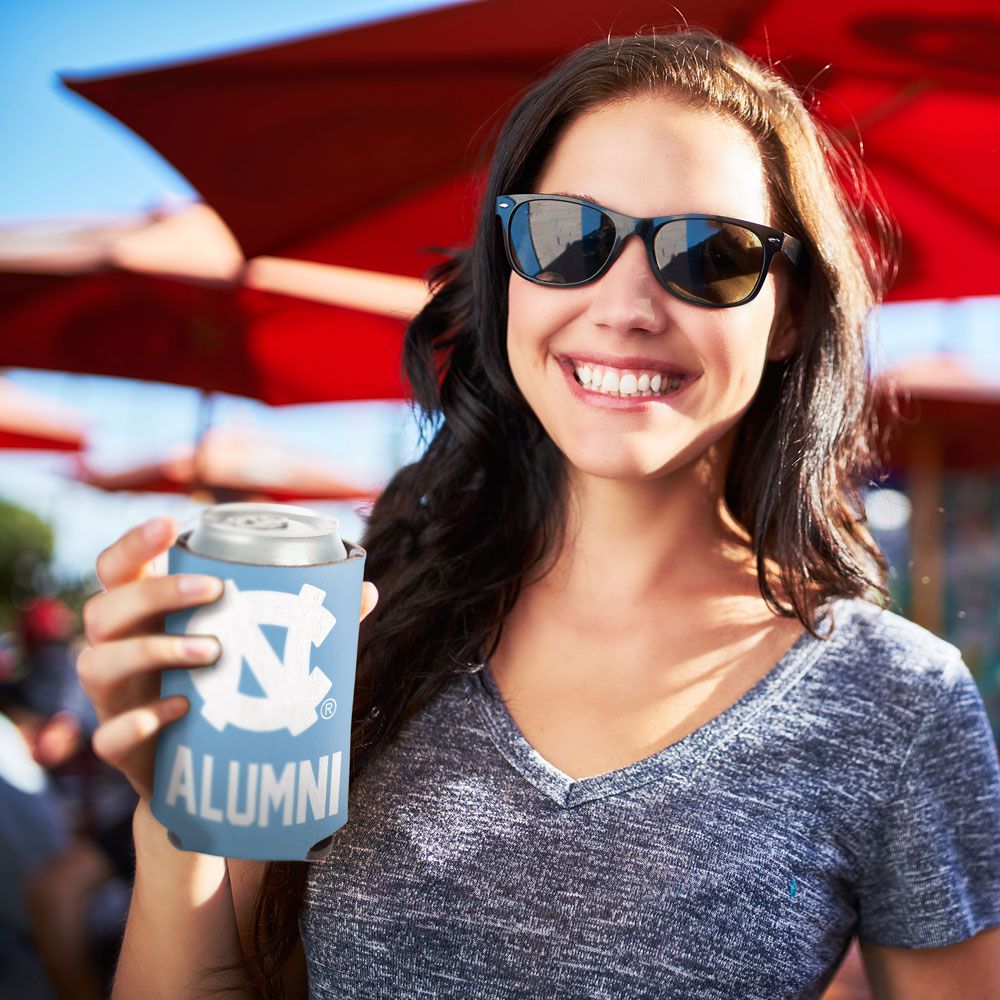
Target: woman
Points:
(629, 718)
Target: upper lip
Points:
(630, 361)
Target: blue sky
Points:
(62, 157)
(60, 154)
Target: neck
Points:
(632, 544)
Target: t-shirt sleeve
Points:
(933, 878)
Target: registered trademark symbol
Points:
(328, 708)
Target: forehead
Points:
(653, 155)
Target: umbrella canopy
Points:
(30, 421)
(357, 147)
(164, 296)
(232, 462)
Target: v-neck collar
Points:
(688, 753)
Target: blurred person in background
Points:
(63, 865)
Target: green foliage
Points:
(26, 543)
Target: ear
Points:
(784, 339)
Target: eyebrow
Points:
(590, 198)
(572, 194)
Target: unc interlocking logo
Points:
(293, 689)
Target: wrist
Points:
(157, 859)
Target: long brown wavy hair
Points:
(456, 534)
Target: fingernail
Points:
(155, 530)
(175, 707)
(201, 649)
(199, 586)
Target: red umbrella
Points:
(30, 421)
(232, 463)
(353, 147)
(159, 297)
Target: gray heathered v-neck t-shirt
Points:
(853, 790)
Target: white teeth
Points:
(627, 384)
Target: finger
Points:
(127, 558)
(109, 672)
(141, 605)
(369, 598)
(123, 741)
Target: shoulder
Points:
(880, 655)
(889, 639)
(929, 871)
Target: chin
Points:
(613, 463)
(644, 457)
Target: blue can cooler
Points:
(258, 767)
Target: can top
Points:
(267, 534)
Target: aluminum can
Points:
(258, 767)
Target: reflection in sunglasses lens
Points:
(559, 242)
(712, 262)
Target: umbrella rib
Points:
(901, 99)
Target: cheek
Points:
(517, 291)
(735, 348)
(518, 329)
(535, 314)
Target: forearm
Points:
(181, 922)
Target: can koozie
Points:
(258, 767)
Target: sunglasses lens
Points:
(558, 242)
(713, 263)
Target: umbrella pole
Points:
(198, 485)
(925, 473)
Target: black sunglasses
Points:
(708, 260)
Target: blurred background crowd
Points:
(214, 223)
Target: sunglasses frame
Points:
(773, 241)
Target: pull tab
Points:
(260, 521)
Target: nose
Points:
(627, 297)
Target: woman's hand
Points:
(124, 625)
